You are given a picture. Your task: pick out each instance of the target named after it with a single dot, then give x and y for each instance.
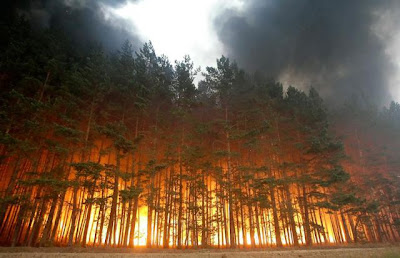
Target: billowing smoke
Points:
(334, 46)
(85, 22)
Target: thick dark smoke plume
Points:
(331, 45)
(85, 22)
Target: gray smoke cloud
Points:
(84, 21)
(333, 46)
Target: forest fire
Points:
(122, 149)
(188, 208)
(227, 175)
(97, 236)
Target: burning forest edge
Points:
(122, 150)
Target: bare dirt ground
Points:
(388, 251)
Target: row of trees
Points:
(371, 140)
(124, 150)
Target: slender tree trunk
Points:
(229, 177)
(133, 222)
(49, 223)
(180, 210)
(88, 215)
(18, 227)
(166, 210)
(113, 213)
(10, 188)
(345, 228)
(307, 228)
(203, 214)
(276, 220)
(149, 216)
(38, 224)
(74, 215)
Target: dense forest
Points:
(123, 149)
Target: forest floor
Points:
(364, 251)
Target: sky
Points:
(341, 47)
(182, 27)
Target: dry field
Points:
(336, 252)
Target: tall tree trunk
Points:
(47, 229)
(166, 210)
(345, 228)
(276, 220)
(113, 213)
(88, 215)
(306, 218)
(74, 215)
(230, 178)
(9, 190)
(180, 210)
(149, 216)
(18, 226)
(38, 224)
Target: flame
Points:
(218, 237)
(267, 233)
(216, 207)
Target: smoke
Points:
(85, 22)
(334, 46)
(341, 47)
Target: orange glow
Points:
(205, 213)
(268, 237)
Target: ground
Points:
(364, 251)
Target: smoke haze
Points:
(337, 47)
(84, 21)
